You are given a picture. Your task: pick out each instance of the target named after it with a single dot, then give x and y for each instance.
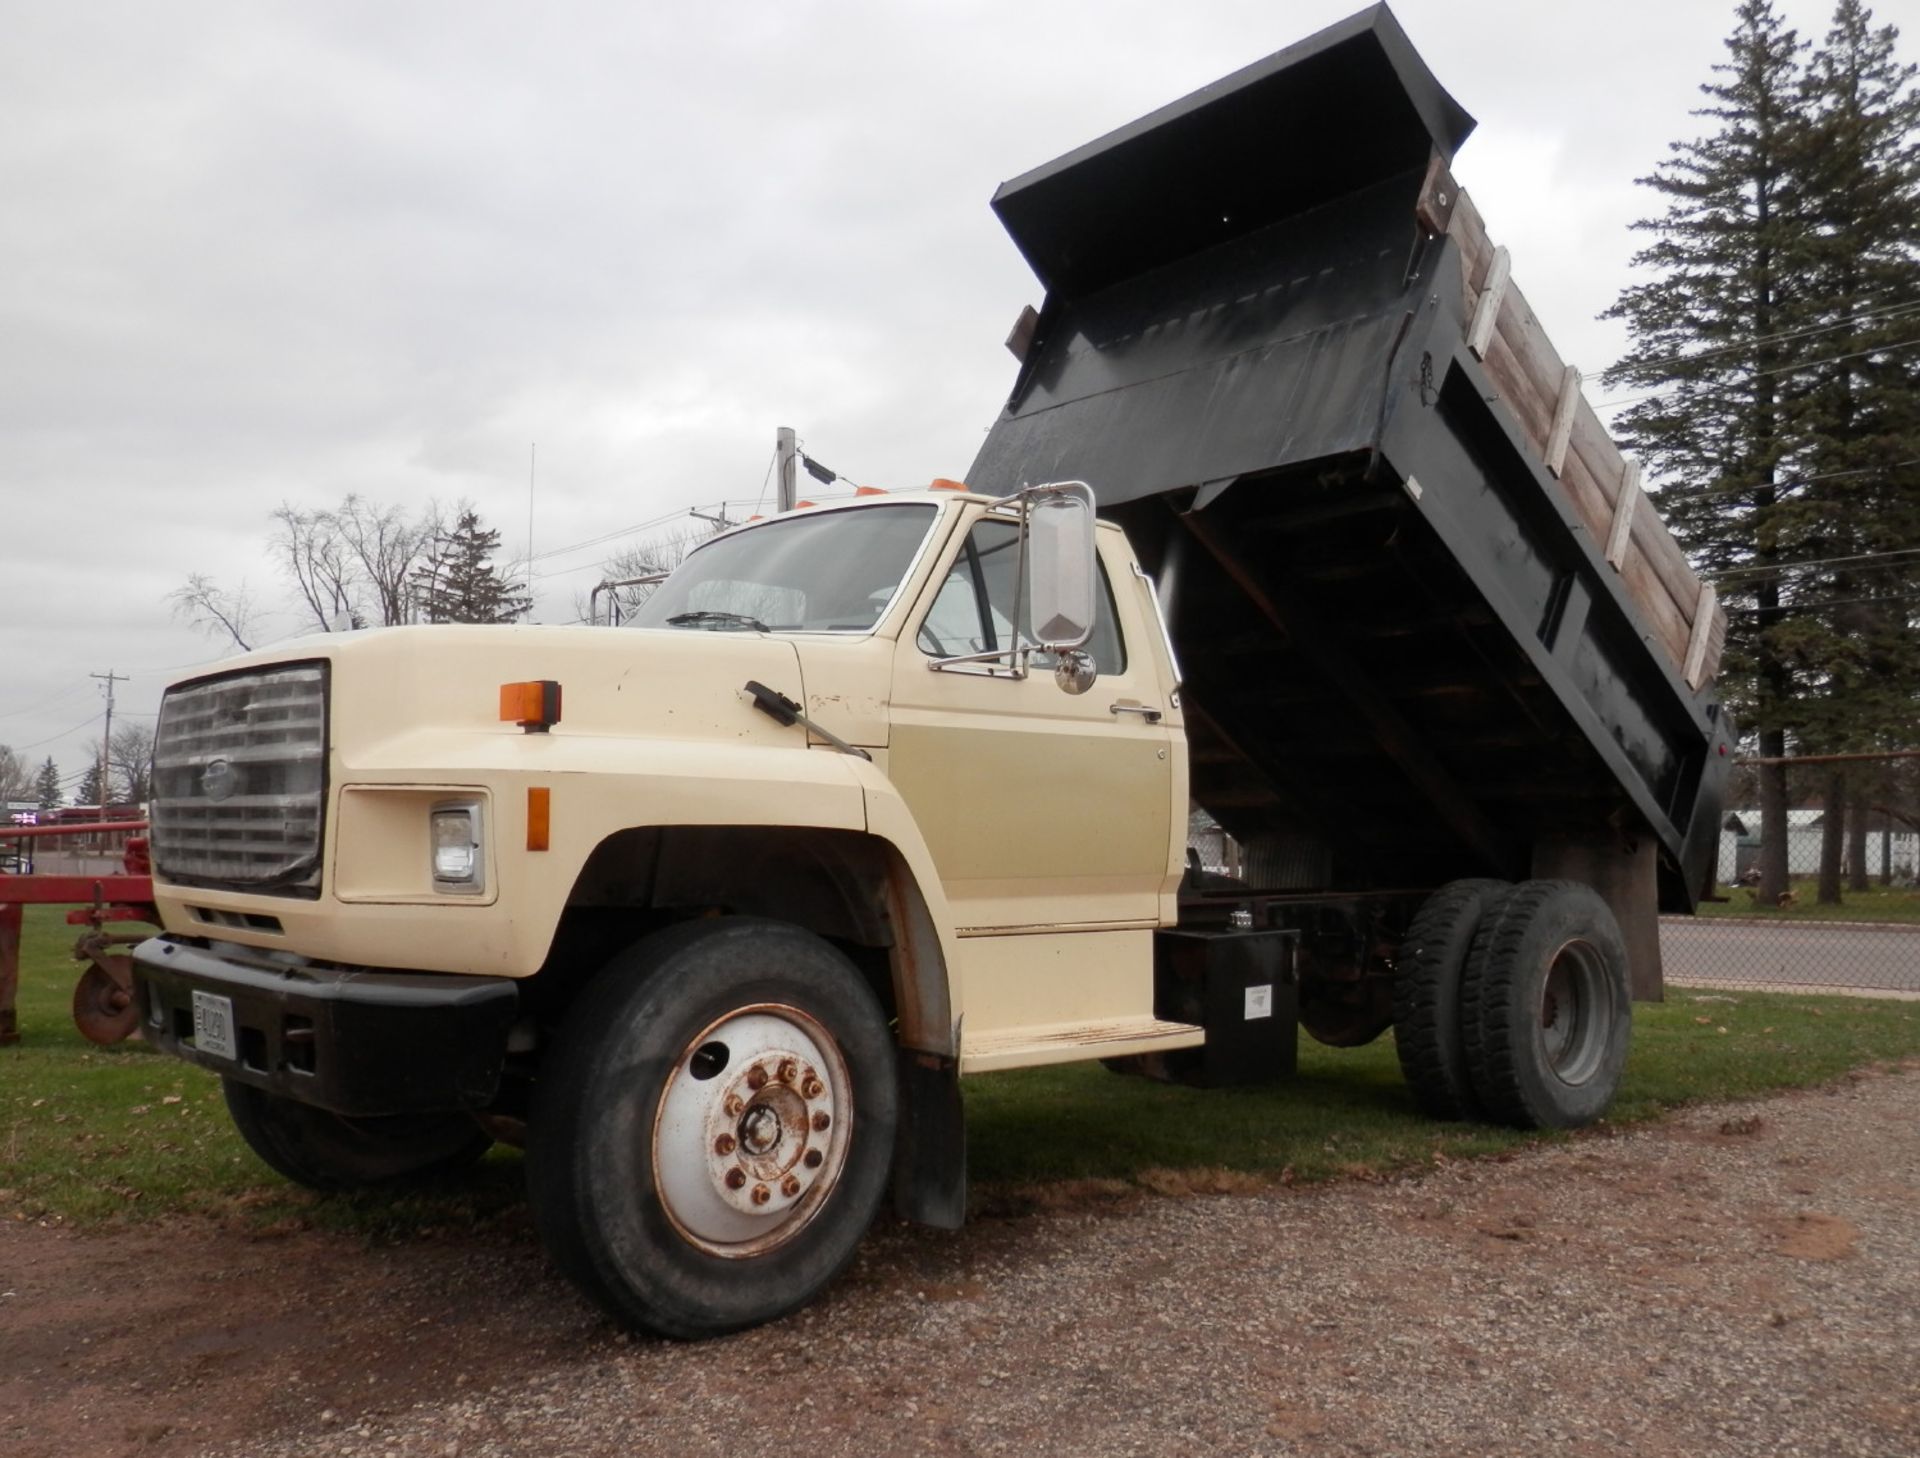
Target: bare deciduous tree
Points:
(386, 548)
(16, 779)
(644, 559)
(130, 763)
(312, 550)
(354, 565)
(214, 611)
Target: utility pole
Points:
(110, 678)
(784, 450)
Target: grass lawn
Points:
(1882, 903)
(89, 1134)
(96, 1134)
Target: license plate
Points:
(213, 1025)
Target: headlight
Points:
(458, 863)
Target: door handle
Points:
(1145, 711)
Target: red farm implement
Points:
(103, 1004)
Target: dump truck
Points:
(1292, 514)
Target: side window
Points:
(973, 612)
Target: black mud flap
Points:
(930, 1150)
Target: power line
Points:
(93, 719)
(59, 696)
(1887, 557)
(772, 461)
(1691, 493)
(1821, 605)
(605, 537)
(1722, 387)
(1890, 311)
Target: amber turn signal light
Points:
(539, 817)
(535, 706)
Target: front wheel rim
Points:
(1576, 1013)
(752, 1130)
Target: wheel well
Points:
(851, 888)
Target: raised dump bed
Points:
(1428, 623)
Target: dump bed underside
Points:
(1407, 656)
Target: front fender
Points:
(595, 787)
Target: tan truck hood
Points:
(412, 696)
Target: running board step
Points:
(1028, 1047)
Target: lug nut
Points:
(733, 1106)
(820, 1121)
(814, 1159)
(813, 1088)
(787, 1071)
(761, 1194)
(736, 1177)
(756, 1077)
(724, 1144)
(790, 1186)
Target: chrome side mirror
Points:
(1075, 672)
(1060, 565)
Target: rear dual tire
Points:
(1545, 1009)
(1427, 1032)
(1511, 1004)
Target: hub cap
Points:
(752, 1130)
(1576, 1012)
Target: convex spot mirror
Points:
(1061, 573)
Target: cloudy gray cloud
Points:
(254, 253)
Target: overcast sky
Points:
(256, 252)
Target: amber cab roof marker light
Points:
(534, 706)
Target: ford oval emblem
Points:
(219, 779)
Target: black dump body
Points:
(1405, 659)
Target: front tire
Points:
(330, 1152)
(712, 1132)
(1545, 1009)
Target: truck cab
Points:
(394, 865)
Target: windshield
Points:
(834, 572)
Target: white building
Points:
(1740, 846)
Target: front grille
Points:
(239, 781)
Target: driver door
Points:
(1042, 809)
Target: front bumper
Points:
(355, 1041)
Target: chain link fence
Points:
(1831, 905)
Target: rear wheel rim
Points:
(1576, 1013)
(752, 1130)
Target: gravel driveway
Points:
(1739, 1281)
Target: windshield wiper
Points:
(681, 620)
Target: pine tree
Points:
(1714, 335)
(89, 791)
(1851, 630)
(46, 785)
(458, 583)
(1852, 635)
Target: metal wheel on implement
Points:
(712, 1133)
